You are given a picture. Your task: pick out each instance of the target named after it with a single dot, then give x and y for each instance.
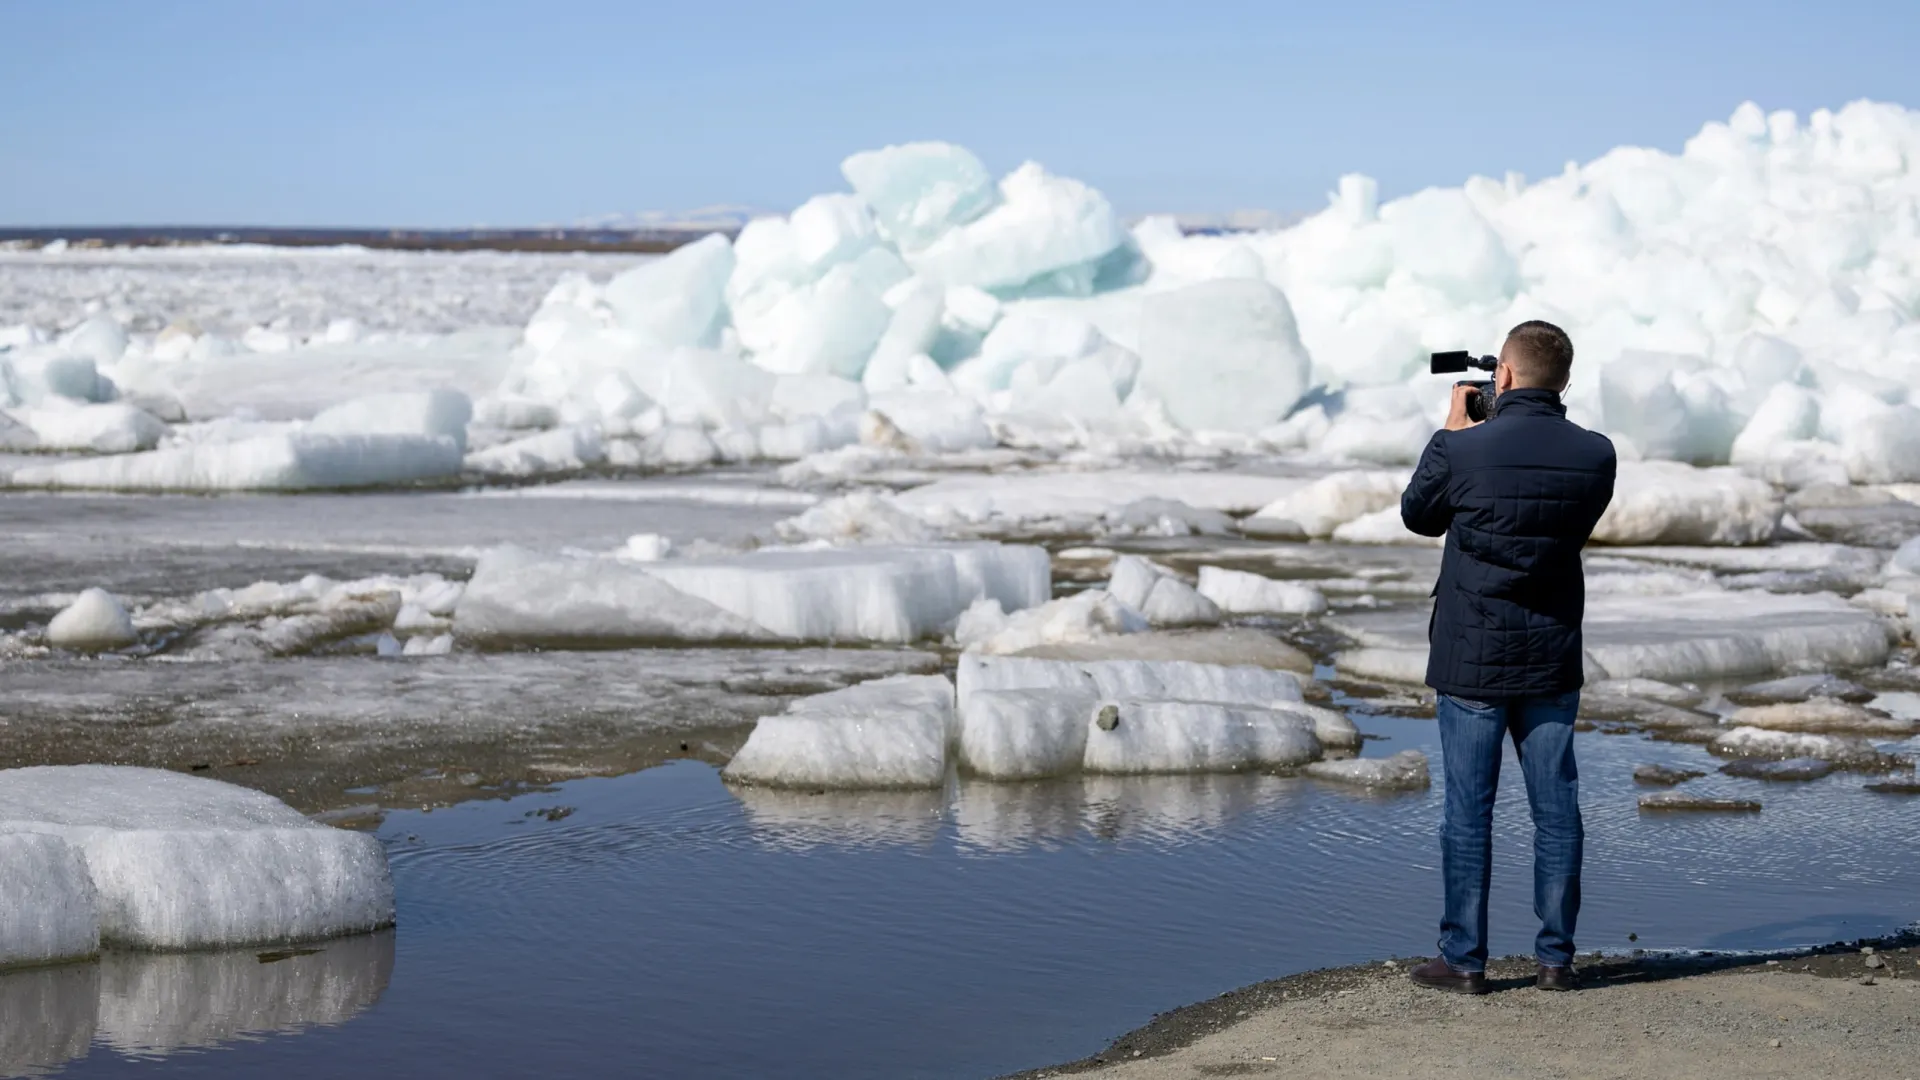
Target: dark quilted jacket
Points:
(1516, 498)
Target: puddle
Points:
(664, 924)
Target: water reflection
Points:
(801, 818)
(49, 1015)
(152, 1004)
(1001, 817)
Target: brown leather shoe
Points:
(1556, 978)
(1437, 974)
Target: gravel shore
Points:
(1841, 1010)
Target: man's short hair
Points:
(1542, 355)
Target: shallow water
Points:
(671, 926)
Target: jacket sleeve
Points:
(1423, 506)
(1603, 491)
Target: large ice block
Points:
(1044, 225)
(181, 862)
(1025, 734)
(920, 190)
(1222, 355)
(888, 733)
(428, 412)
(679, 298)
(1666, 502)
(873, 593)
(49, 910)
(1158, 736)
(1144, 680)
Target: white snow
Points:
(888, 733)
(94, 621)
(1237, 592)
(180, 862)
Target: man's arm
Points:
(1423, 506)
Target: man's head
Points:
(1537, 355)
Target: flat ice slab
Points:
(300, 461)
(180, 862)
(1010, 501)
(1142, 680)
(1185, 736)
(882, 594)
(888, 733)
(1687, 638)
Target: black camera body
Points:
(1480, 402)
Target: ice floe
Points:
(1406, 770)
(180, 862)
(877, 593)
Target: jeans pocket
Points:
(1471, 705)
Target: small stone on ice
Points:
(1109, 717)
(1875, 962)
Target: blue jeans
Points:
(1470, 734)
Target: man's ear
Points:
(1503, 378)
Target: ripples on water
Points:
(672, 926)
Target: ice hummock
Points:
(181, 862)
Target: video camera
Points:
(1480, 402)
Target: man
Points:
(1516, 497)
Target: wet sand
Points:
(1821, 1013)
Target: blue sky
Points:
(456, 112)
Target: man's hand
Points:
(1457, 419)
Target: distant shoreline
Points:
(616, 241)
